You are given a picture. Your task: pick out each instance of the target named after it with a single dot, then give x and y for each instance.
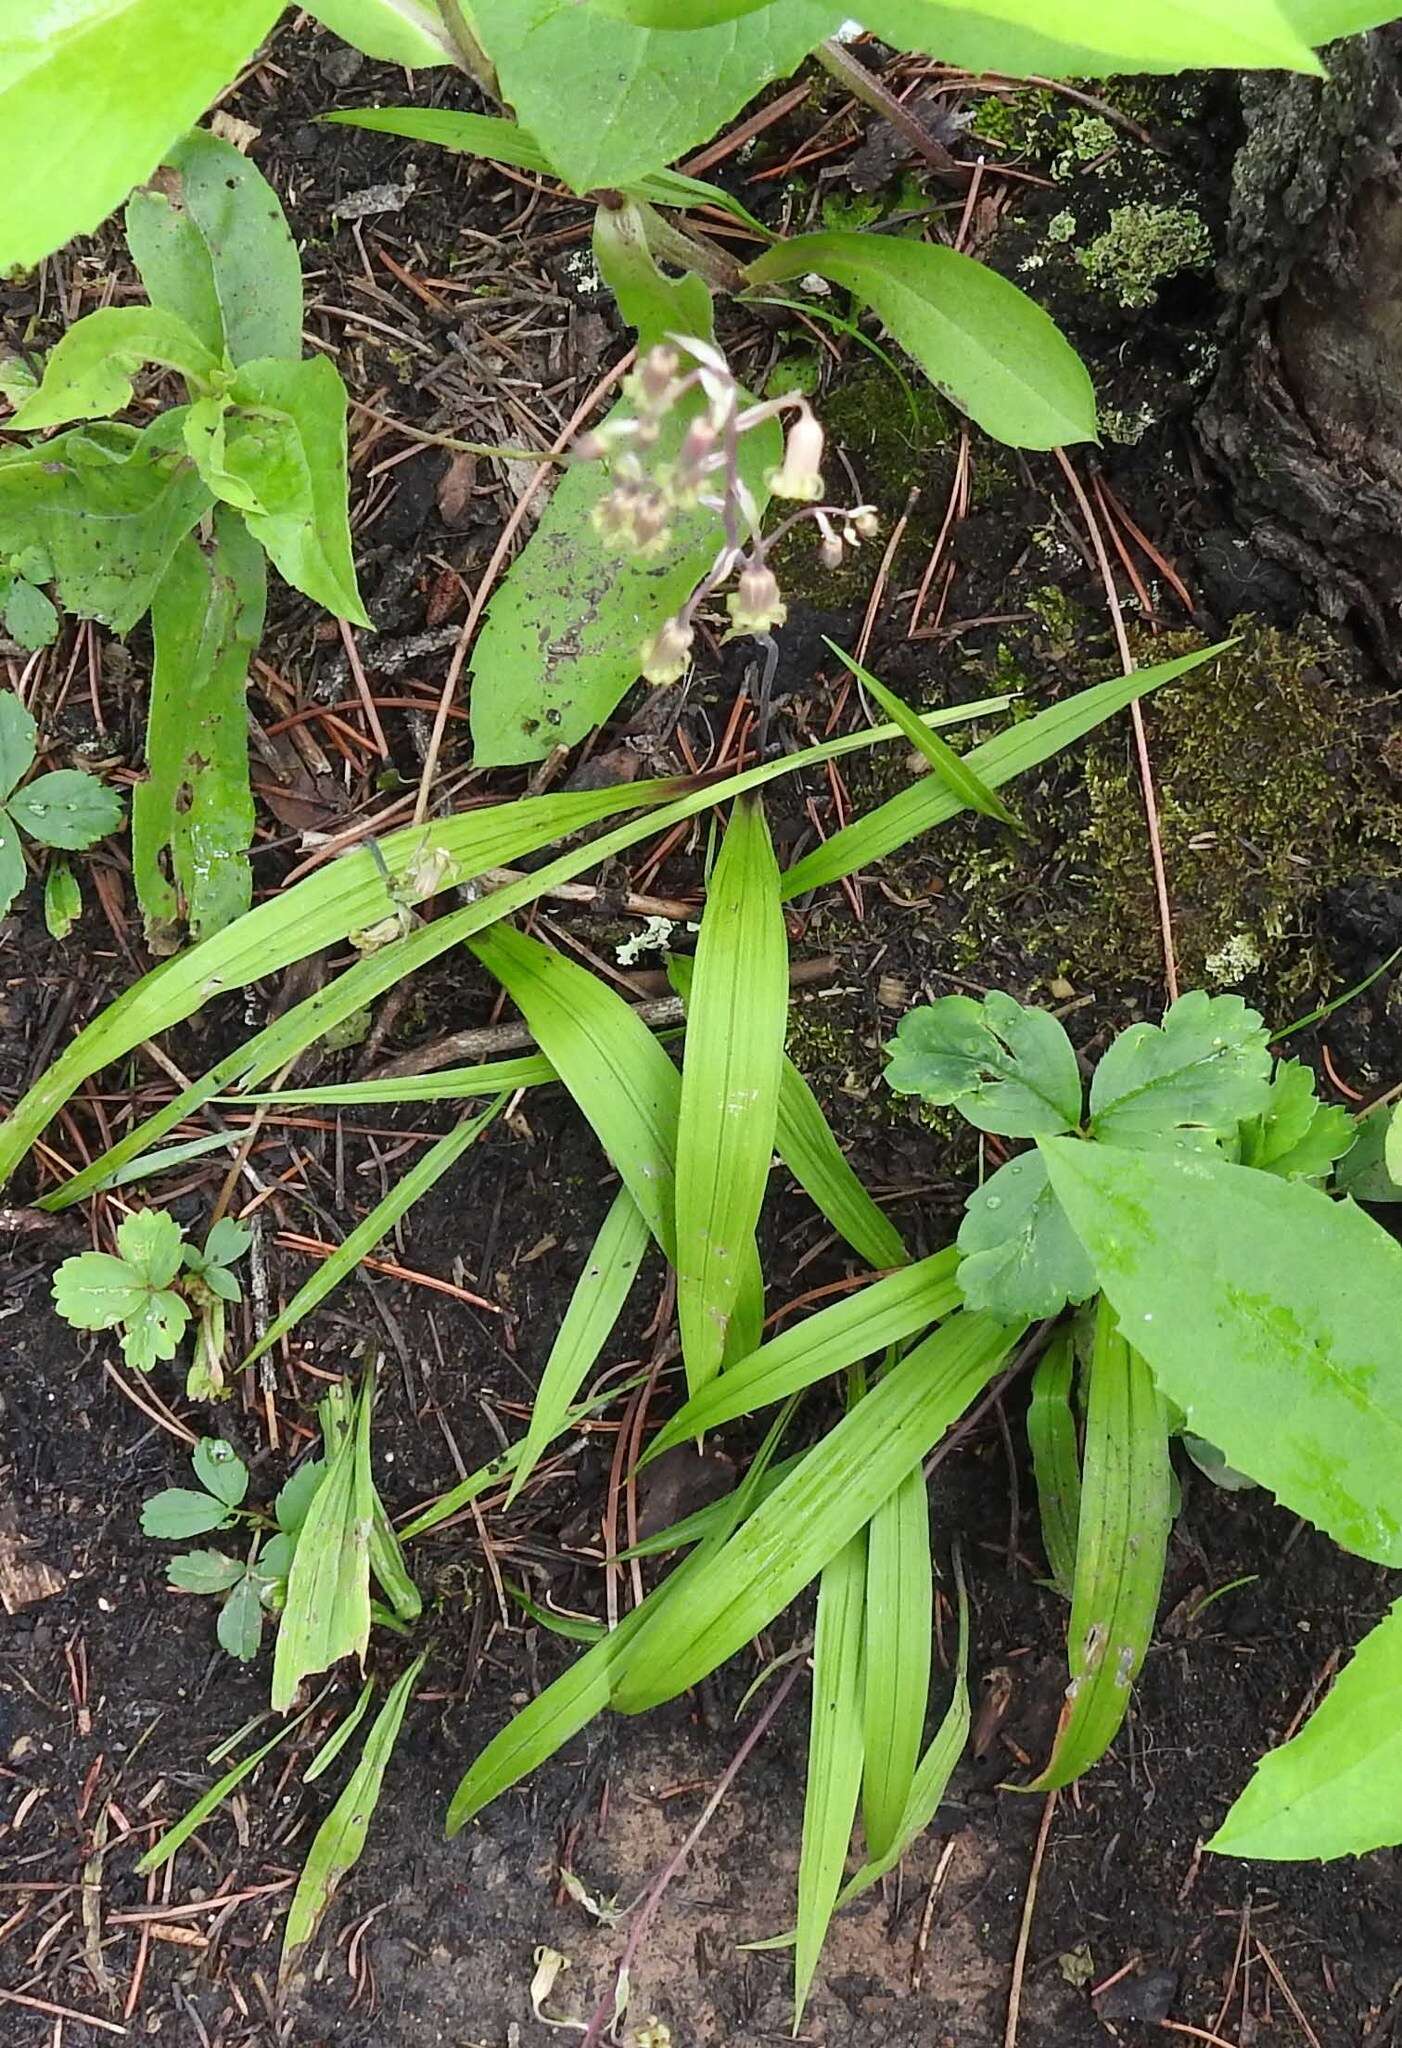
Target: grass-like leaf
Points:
(805, 1142)
(848, 1330)
(340, 1839)
(594, 1308)
(1121, 1542)
(899, 1597)
(176, 1836)
(821, 1505)
(970, 788)
(736, 1015)
(1056, 1464)
(834, 1756)
(327, 1615)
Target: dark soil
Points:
(112, 1691)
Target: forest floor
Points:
(460, 299)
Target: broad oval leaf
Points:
(1004, 1067)
(212, 244)
(677, 13)
(736, 1014)
(240, 1624)
(1079, 38)
(408, 32)
(980, 340)
(91, 92)
(89, 374)
(1268, 1312)
(220, 1470)
(1204, 1069)
(180, 1511)
(66, 808)
(1335, 1789)
(609, 102)
(204, 1571)
(63, 899)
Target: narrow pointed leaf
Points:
(209, 1802)
(1051, 1433)
(89, 374)
(327, 1615)
(1121, 1544)
(730, 1086)
(899, 1599)
(805, 1142)
(970, 788)
(834, 1756)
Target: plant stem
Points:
(864, 86)
(689, 252)
(470, 55)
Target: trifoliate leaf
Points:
(155, 1330)
(18, 741)
(203, 1571)
(150, 1241)
(220, 1469)
(240, 1624)
(180, 1511)
(30, 616)
(1296, 1135)
(67, 809)
(63, 899)
(96, 1292)
(1021, 1256)
(1203, 1071)
(290, 1507)
(1003, 1067)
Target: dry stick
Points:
(1196, 2034)
(864, 85)
(1024, 1932)
(1141, 740)
(643, 1919)
(1286, 1993)
(60, 2012)
(493, 570)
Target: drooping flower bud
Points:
(590, 447)
(666, 657)
(652, 385)
(799, 475)
(830, 551)
(755, 605)
(866, 522)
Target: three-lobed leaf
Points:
(1195, 1076)
(1004, 1067)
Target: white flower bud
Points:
(866, 522)
(755, 605)
(830, 551)
(799, 476)
(666, 657)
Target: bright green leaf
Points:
(30, 617)
(151, 1243)
(207, 445)
(737, 1011)
(220, 1470)
(1296, 1135)
(1004, 1067)
(1204, 1069)
(240, 1624)
(212, 245)
(979, 340)
(91, 92)
(408, 32)
(805, 1142)
(327, 1615)
(179, 1512)
(209, 1802)
(1080, 38)
(13, 874)
(970, 789)
(288, 444)
(295, 1495)
(63, 899)
(1021, 1256)
(1051, 1437)
(650, 300)
(19, 741)
(89, 374)
(109, 505)
(1268, 1312)
(1335, 1789)
(202, 1571)
(636, 98)
(66, 808)
(1121, 1543)
(153, 1330)
(676, 14)
(834, 1756)
(192, 818)
(899, 1611)
(94, 1291)
(1363, 1170)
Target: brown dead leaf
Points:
(455, 488)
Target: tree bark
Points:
(1305, 414)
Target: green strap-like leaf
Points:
(338, 1842)
(1121, 1542)
(327, 1615)
(1051, 1433)
(208, 1802)
(899, 1620)
(820, 1506)
(979, 340)
(805, 1142)
(595, 1306)
(841, 1335)
(970, 788)
(736, 1016)
(834, 1756)
(1267, 1312)
(192, 818)
(91, 92)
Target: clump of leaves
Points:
(151, 1289)
(65, 808)
(28, 614)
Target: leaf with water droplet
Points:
(67, 809)
(12, 869)
(1004, 1067)
(1021, 1256)
(1191, 1079)
(18, 738)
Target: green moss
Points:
(1269, 792)
(1143, 245)
(1089, 137)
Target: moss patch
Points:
(1143, 245)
